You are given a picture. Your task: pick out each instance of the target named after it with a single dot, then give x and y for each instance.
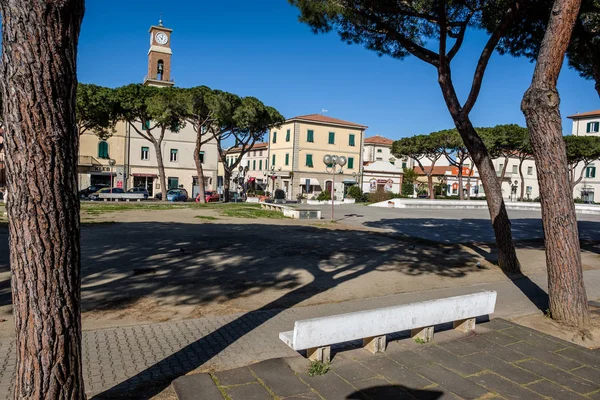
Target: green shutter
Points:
(351, 142)
(274, 137)
(287, 136)
(260, 165)
(287, 158)
(254, 165)
(146, 125)
(310, 136)
(273, 160)
(331, 137)
(350, 162)
(103, 150)
(309, 161)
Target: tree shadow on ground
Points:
(396, 392)
(204, 264)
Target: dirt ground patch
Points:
(144, 266)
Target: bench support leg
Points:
(425, 334)
(322, 354)
(465, 325)
(375, 344)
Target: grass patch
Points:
(206, 217)
(251, 212)
(419, 340)
(317, 368)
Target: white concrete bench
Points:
(291, 212)
(316, 335)
(121, 196)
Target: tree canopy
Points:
(581, 149)
(96, 110)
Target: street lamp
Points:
(112, 163)
(331, 166)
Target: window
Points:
(173, 155)
(309, 161)
(593, 127)
(403, 164)
(351, 140)
(146, 125)
(248, 164)
(287, 136)
(379, 150)
(260, 153)
(145, 153)
(515, 169)
(287, 158)
(201, 157)
(260, 165)
(331, 137)
(379, 159)
(529, 170)
(500, 167)
(310, 136)
(350, 162)
(274, 137)
(590, 171)
(103, 150)
(254, 165)
(273, 160)
(173, 183)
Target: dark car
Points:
(140, 190)
(85, 193)
(96, 195)
(177, 195)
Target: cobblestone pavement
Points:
(507, 361)
(120, 361)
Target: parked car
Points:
(96, 195)
(211, 197)
(177, 195)
(140, 190)
(85, 193)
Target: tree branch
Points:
(484, 58)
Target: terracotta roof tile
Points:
(585, 114)
(377, 139)
(326, 120)
(257, 146)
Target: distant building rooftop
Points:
(325, 120)
(585, 114)
(377, 139)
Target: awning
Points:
(313, 182)
(382, 180)
(251, 179)
(145, 175)
(349, 182)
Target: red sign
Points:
(120, 184)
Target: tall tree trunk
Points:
(461, 194)
(161, 169)
(566, 290)
(507, 255)
(430, 185)
(199, 168)
(39, 54)
(522, 179)
(226, 183)
(503, 173)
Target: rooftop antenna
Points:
(160, 20)
(323, 111)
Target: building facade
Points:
(587, 124)
(381, 169)
(297, 148)
(255, 165)
(127, 160)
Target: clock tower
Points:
(159, 57)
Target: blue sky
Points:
(258, 48)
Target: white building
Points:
(380, 168)
(256, 162)
(587, 124)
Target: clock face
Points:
(161, 38)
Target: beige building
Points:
(255, 161)
(133, 158)
(297, 148)
(381, 170)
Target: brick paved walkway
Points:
(122, 360)
(506, 362)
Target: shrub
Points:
(259, 192)
(324, 195)
(355, 192)
(379, 195)
(408, 189)
(279, 194)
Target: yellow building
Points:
(297, 148)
